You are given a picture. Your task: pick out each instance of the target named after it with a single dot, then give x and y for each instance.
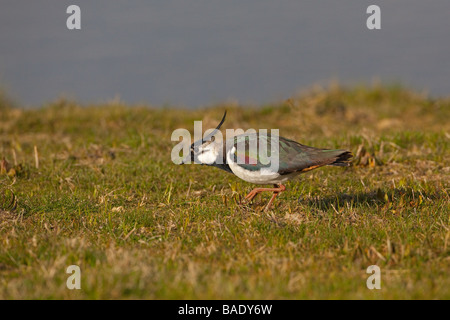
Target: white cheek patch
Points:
(207, 157)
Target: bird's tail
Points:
(342, 158)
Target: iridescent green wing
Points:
(296, 157)
(252, 151)
(256, 151)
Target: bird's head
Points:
(206, 150)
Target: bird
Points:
(237, 155)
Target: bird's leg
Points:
(255, 192)
(276, 190)
(270, 201)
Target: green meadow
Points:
(94, 186)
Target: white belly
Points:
(263, 176)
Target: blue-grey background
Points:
(198, 52)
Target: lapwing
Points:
(235, 155)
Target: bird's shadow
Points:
(371, 198)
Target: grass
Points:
(94, 186)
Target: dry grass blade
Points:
(8, 201)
